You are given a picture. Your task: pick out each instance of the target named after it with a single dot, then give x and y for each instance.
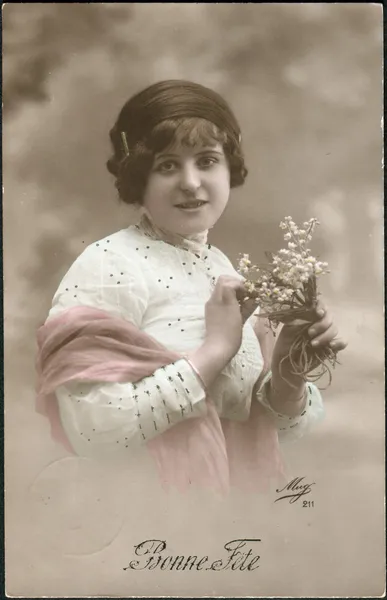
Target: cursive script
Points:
(296, 488)
(239, 557)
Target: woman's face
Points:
(188, 188)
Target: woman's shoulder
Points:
(102, 275)
(122, 244)
(112, 258)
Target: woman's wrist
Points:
(196, 371)
(208, 361)
(285, 398)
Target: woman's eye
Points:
(166, 167)
(207, 161)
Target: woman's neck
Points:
(190, 242)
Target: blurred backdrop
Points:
(305, 81)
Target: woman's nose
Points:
(190, 179)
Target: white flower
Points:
(289, 270)
(245, 261)
(250, 286)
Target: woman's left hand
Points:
(323, 332)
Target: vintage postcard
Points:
(193, 196)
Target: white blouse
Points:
(162, 289)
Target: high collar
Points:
(194, 243)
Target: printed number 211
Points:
(308, 504)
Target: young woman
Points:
(149, 342)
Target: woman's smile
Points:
(191, 205)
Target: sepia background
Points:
(305, 81)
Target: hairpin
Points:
(125, 143)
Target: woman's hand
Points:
(323, 332)
(287, 389)
(226, 313)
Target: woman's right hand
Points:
(225, 315)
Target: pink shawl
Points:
(88, 345)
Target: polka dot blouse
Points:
(162, 289)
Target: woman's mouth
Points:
(191, 205)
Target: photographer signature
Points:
(296, 489)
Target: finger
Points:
(320, 308)
(326, 337)
(222, 282)
(229, 294)
(237, 288)
(320, 326)
(338, 344)
(228, 280)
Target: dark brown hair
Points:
(164, 113)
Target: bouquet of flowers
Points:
(286, 290)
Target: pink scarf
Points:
(84, 344)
